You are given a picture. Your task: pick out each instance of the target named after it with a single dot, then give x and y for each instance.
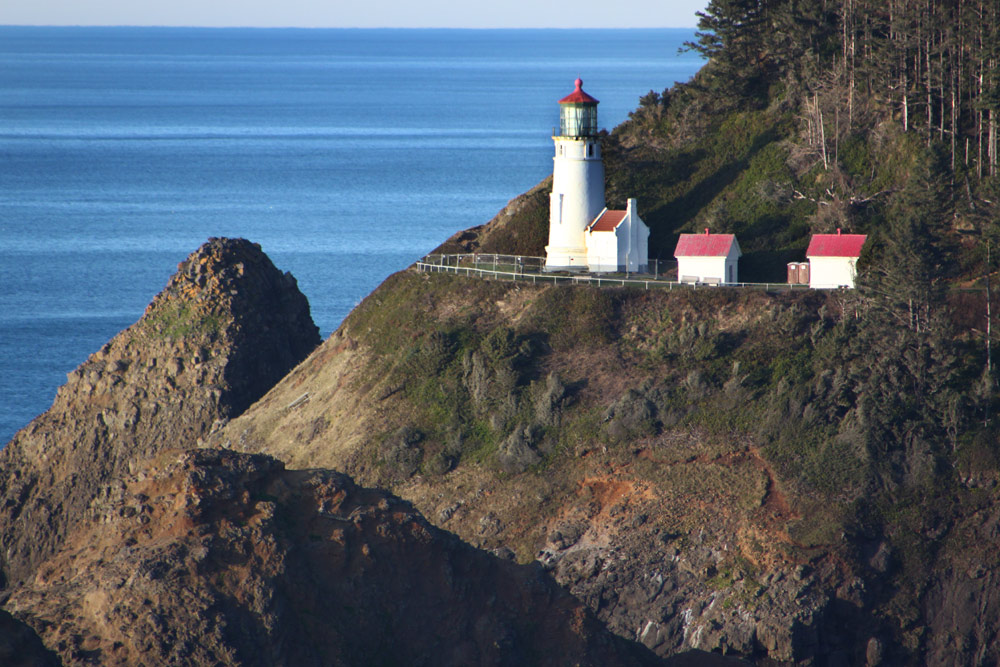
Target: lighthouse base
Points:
(565, 259)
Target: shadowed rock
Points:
(21, 647)
(209, 556)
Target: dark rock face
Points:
(209, 556)
(21, 647)
(961, 615)
(960, 619)
(227, 326)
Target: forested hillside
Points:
(876, 412)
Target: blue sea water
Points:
(347, 154)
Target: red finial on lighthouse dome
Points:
(578, 96)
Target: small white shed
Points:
(618, 241)
(708, 258)
(833, 259)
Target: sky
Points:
(357, 13)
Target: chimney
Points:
(706, 231)
(838, 231)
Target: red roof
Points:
(578, 96)
(835, 245)
(607, 221)
(704, 245)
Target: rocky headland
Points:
(625, 477)
(124, 546)
(227, 326)
(688, 464)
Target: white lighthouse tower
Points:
(577, 182)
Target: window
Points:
(590, 150)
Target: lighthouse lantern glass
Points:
(578, 120)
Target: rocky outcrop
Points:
(594, 447)
(519, 228)
(209, 557)
(227, 326)
(960, 619)
(674, 597)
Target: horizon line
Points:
(359, 27)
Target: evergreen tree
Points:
(731, 37)
(729, 31)
(909, 274)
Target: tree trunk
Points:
(926, 27)
(991, 147)
(941, 94)
(822, 131)
(989, 315)
(906, 110)
(954, 128)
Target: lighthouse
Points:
(577, 182)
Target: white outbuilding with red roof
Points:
(618, 241)
(833, 259)
(708, 258)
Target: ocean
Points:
(347, 154)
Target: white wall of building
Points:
(640, 239)
(832, 272)
(724, 270)
(602, 252)
(625, 249)
(577, 198)
(700, 268)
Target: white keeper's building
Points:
(584, 235)
(833, 259)
(708, 258)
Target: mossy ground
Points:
(181, 320)
(722, 371)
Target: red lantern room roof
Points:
(578, 96)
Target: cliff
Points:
(558, 424)
(212, 557)
(719, 470)
(122, 549)
(227, 326)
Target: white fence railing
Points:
(529, 269)
(516, 263)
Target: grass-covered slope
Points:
(734, 434)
